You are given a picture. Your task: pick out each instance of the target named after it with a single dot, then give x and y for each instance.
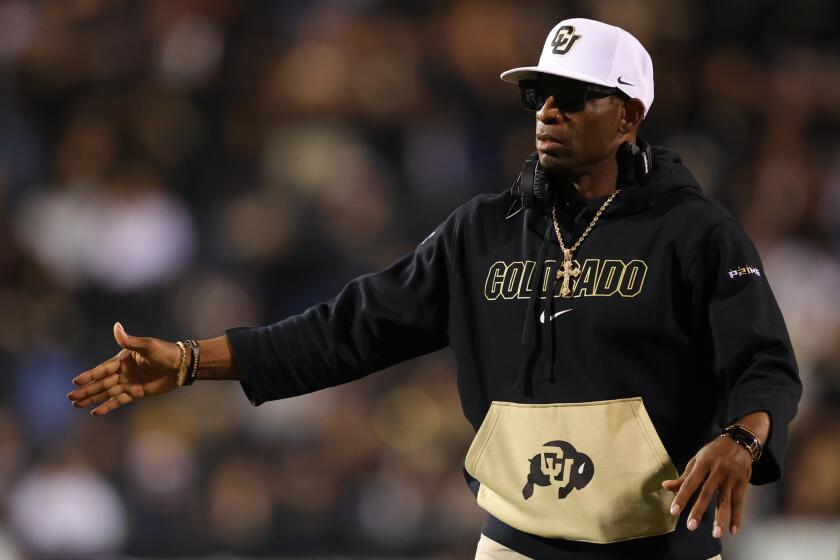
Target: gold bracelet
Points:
(182, 365)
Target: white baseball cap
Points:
(594, 52)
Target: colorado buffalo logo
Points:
(559, 463)
(564, 39)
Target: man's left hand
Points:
(721, 466)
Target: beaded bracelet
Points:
(193, 369)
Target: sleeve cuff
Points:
(768, 468)
(243, 345)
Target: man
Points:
(606, 332)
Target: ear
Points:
(631, 117)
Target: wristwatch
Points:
(745, 438)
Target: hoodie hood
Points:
(669, 175)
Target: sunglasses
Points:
(570, 96)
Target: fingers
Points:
(98, 386)
(113, 403)
(102, 370)
(96, 392)
(100, 383)
(738, 492)
(718, 469)
(701, 503)
(687, 483)
(723, 509)
(674, 485)
(127, 341)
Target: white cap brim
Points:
(530, 72)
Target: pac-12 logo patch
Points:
(564, 39)
(559, 464)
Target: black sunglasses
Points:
(570, 96)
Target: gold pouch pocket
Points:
(589, 471)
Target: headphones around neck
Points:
(532, 187)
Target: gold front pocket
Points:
(589, 471)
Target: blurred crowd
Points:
(185, 166)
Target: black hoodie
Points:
(672, 307)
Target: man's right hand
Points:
(143, 367)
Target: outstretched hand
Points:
(723, 466)
(143, 367)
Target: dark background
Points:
(184, 166)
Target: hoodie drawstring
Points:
(529, 338)
(549, 332)
(669, 176)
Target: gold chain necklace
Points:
(571, 269)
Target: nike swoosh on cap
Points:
(542, 315)
(620, 81)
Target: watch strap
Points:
(744, 437)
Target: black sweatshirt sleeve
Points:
(377, 320)
(752, 349)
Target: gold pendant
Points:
(569, 269)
